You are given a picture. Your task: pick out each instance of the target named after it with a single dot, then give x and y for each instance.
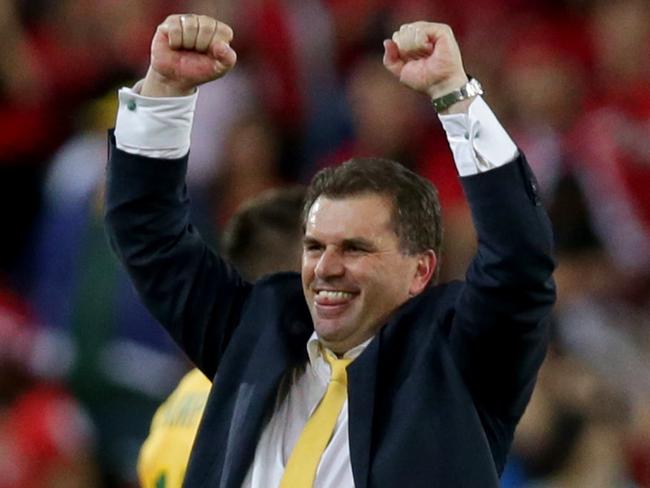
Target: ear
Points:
(424, 271)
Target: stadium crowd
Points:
(569, 78)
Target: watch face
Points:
(474, 87)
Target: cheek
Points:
(307, 268)
(373, 277)
(392, 281)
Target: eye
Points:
(355, 249)
(312, 247)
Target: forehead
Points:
(360, 216)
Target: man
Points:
(270, 221)
(380, 378)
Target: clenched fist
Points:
(187, 50)
(425, 57)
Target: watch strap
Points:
(470, 89)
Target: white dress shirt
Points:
(306, 389)
(161, 128)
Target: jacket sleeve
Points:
(191, 291)
(498, 336)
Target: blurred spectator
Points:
(46, 438)
(57, 54)
(545, 77)
(250, 164)
(290, 45)
(573, 432)
(598, 324)
(25, 134)
(219, 107)
(386, 119)
(611, 146)
(45, 442)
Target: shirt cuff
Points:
(156, 127)
(477, 140)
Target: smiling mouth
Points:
(333, 296)
(331, 303)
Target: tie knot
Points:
(338, 367)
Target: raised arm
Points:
(498, 333)
(189, 289)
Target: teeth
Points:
(334, 294)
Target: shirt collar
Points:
(314, 349)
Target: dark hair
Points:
(264, 234)
(416, 207)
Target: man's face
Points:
(353, 272)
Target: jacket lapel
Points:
(362, 389)
(362, 379)
(279, 349)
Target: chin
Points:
(329, 331)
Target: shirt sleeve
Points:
(477, 140)
(156, 127)
(160, 127)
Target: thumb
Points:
(392, 59)
(160, 41)
(222, 52)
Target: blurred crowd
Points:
(570, 79)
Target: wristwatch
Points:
(470, 89)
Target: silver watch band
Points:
(470, 89)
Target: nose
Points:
(329, 264)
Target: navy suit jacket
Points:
(435, 397)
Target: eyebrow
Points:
(309, 240)
(355, 242)
(359, 242)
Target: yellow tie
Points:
(305, 457)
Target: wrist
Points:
(441, 89)
(460, 107)
(157, 85)
(458, 100)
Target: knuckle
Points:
(191, 22)
(206, 21)
(174, 27)
(228, 31)
(220, 30)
